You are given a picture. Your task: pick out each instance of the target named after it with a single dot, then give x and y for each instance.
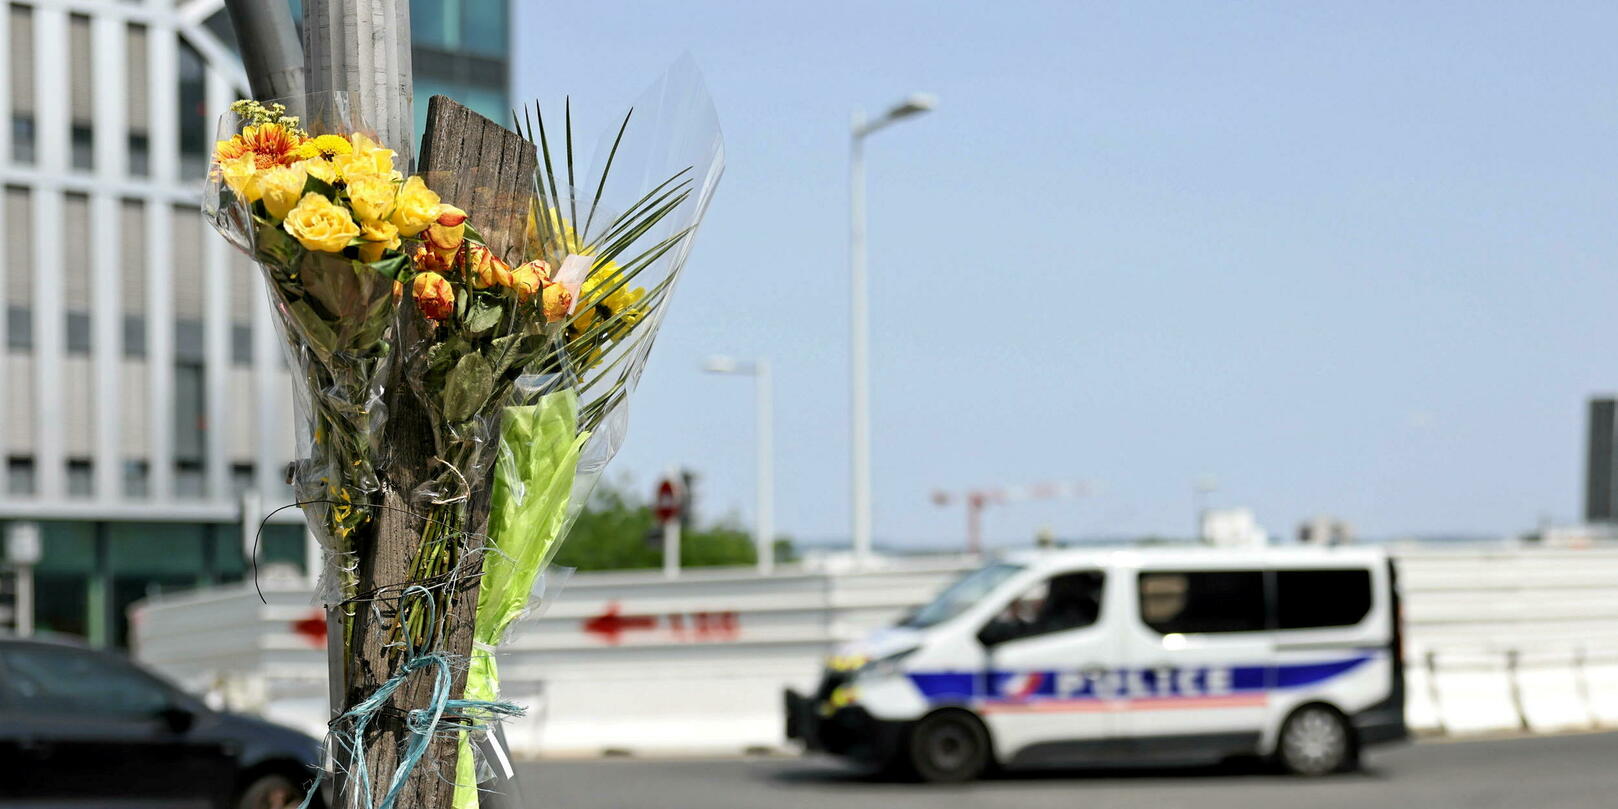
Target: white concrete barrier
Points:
(640, 663)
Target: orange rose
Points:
(425, 260)
(527, 279)
(434, 297)
(554, 301)
(446, 233)
(484, 269)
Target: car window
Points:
(1058, 604)
(1177, 602)
(76, 682)
(960, 596)
(1317, 598)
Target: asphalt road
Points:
(1557, 772)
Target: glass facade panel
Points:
(486, 27)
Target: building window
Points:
(19, 475)
(1182, 602)
(22, 140)
(83, 148)
(80, 477)
(194, 126)
(136, 481)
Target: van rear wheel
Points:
(1315, 740)
(949, 747)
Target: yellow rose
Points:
(379, 160)
(416, 207)
(320, 224)
(319, 169)
(378, 236)
(241, 174)
(434, 296)
(282, 187)
(371, 197)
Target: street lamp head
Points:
(720, 364)
(914, 105)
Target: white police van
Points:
(1079, 657)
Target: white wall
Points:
(677, 687)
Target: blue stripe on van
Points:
(955, 686)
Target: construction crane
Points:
(977, 499)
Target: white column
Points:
(108, 64)
(164, 139)
(51, 152)
(216, 328)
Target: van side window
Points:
(1317, 598)
(1203, 601)
(1058, 604)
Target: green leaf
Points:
(504, 351)
(467, 387)
(391, 266)
(277, 247)
(316, 332)
(483, 313)
(345, 289)
(473, 234)
(315, 185)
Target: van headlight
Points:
(885, 667)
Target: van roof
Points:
(1283, 556)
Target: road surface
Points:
(1552, 772)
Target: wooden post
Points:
(363, 47)
(486, 170)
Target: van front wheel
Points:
(1315, 741)
(949, 747)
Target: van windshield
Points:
(961, 595)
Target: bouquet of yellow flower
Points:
(517, 354)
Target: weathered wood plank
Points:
(486, 170)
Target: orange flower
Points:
(425, 260)
(554, 301)
(270, 144)
(447, 232)
(433, 294)
(484, 269)
(529, 278)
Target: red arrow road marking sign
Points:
(312, 629)
(610, 625)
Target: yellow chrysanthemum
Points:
(325, 146)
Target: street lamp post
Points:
(860, 433)
(764, 480)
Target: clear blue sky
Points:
(1353, 258)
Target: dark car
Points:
(80, 727)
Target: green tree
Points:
(616, 532)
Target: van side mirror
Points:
(998, 631)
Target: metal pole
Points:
(861, 421)
(671, 548)
(24, 616)
(272, 56)
(764, 528)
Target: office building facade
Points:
(145, 409)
